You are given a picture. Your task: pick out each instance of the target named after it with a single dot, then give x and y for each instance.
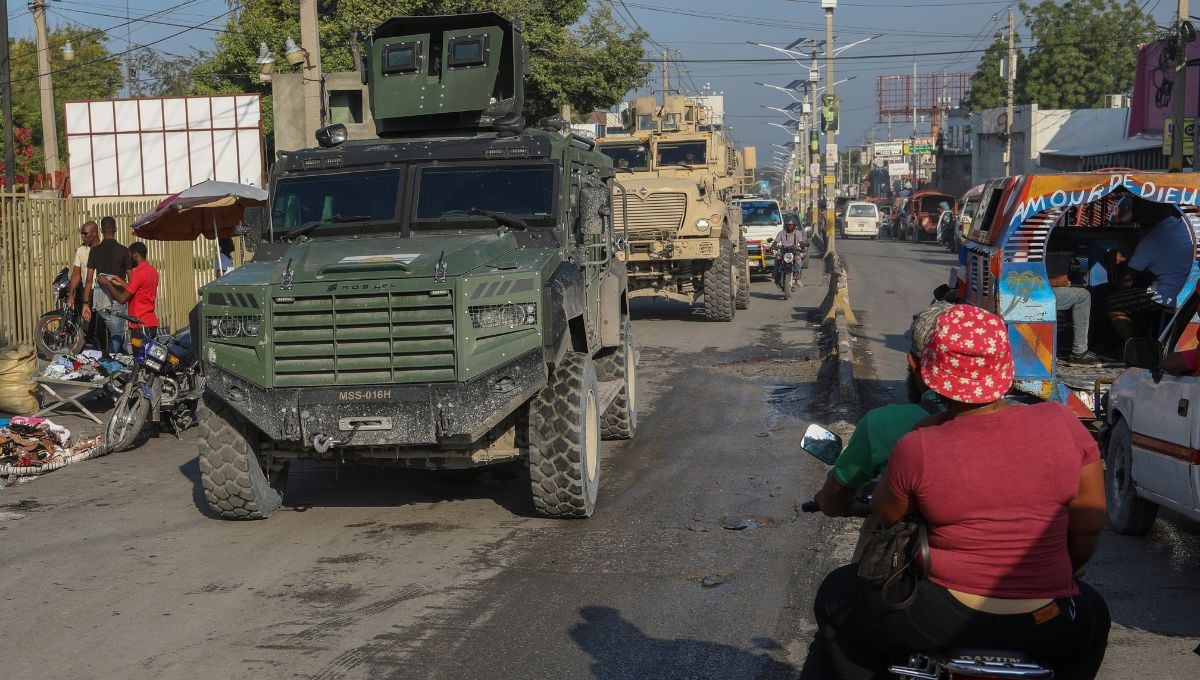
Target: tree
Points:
(577, 57)
(159, 75)
(1083, 50)
(93, 74)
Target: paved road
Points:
(116, 571)
(1152, 584)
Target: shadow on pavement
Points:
(666, 310)
(316, 484)
(623, 652)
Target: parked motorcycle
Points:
(789, 263)
(949, 664)
(62, 330)
(165, 385)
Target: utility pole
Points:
(912, 144)
(314, 85)
(1179, 91)
(10, 170)
(45, 86)
(814, 182)
(830, 215)
(1012, 79)
(666, 75)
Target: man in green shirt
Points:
(866, 456)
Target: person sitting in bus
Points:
(1156, 272)
(1069, 294)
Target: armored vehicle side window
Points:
(631, 156)
(687, 153)
(645, 121)
(451, 192)
(335, 198)
(402, 58)
(468, 51)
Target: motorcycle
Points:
(62, 331)
(165, 385)
(789, 263)
(947, 664)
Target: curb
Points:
(844, 400)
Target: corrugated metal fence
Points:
(38, 237)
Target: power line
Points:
(133, 49)
(111, 28)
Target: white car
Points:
(1151, 441)
(762, 220)
(862, 219)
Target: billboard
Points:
(157, 146)
(889, 148)
(899, 169)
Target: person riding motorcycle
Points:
(791, 236)
(1011, 525)
(866, 455)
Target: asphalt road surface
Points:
(696, 564)
(1151, 583)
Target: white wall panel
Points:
(129, 164)
(200, 149)
(179, 173)
(79, 153)
(140, 147)
(104, 164)
(154, 163)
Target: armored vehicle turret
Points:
(444, 296)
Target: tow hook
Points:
(322, 442)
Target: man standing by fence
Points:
(107, 259)
(140, 292)
(90, 234)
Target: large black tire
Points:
(50, 338)
(742, 299)
(564, 440)
(719, 303)
(620, 363)
(127, 419)
(787, 285)
(235, 483)
(1127, 513)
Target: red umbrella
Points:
(210, 208)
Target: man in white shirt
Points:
(91, 236)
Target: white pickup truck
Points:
(1151, 441)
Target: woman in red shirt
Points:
(1013, 498)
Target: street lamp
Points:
(294, 54)
(68, 51)
(266, 63)
(788, 91)
(783, 111)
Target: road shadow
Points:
(623, 652)
(317, 484)
(659, 309)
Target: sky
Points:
(690, 30)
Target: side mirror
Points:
(253, 226)
(1143, 353)
(593, 209)
(822, 444)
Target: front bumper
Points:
(385, 415)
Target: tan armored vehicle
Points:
(678, 173)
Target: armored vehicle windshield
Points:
(632, 156)
(687, 153)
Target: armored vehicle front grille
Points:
(656, 217)
(400, 337)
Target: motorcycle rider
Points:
(1012, 519)
(791, 236)
(866, 455)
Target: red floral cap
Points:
(968, 359)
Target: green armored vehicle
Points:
(445, 296)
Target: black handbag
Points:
(895, 557)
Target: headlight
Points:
(499, 316)
(702, 223)
(226, 327)
(158, 351)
